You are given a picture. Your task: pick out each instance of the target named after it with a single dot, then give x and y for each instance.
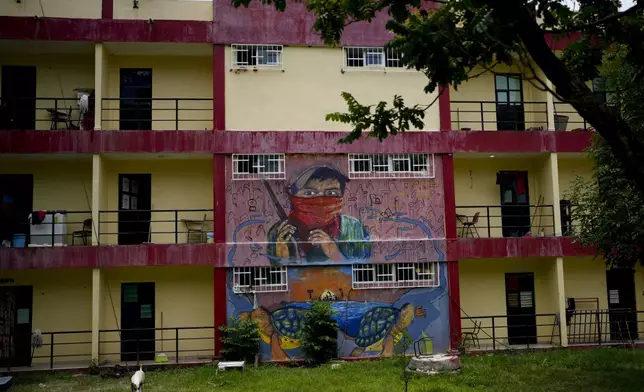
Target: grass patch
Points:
(600, 369)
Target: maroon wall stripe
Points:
(219, 87)
(107, 9)
(220, 280)
(292, 142)
(259, 24)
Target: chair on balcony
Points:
(83, 234)
(198, 227)
(60, 117)
(472, 335)
(469, 226)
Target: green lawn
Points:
(562, 370)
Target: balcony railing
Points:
(127, 227)
(492, 221)
(44, 113)
(501, 116)
(52, 228)
(604, 326)
(74, 348)
(157, 114)
(510, 332)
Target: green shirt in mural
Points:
(352, 241)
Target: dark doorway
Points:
(137, 321)
(15, 325)
(136, 99)
(135, 201)
(510, 115)
(622, 315)
(16, 203)
(522, 319)
(515, 202)
(18, 106)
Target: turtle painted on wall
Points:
(374, 326)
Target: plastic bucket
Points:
(19, 240)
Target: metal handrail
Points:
(176, 109)
(482, 111)
(486, 216)
(490, 333)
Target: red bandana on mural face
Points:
(317, 213)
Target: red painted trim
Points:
(111, 256)
(107, 9)
(560, 41)
(485, 248)
(220, 280)
(105, 30)
(292, 142)
(219, 87)
(219, 199)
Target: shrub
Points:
(319, 334)
(241, 340)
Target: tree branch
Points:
(610, 18)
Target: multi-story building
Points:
(165, 166)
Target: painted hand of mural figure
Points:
(328, 245)
(285, 232)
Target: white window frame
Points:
(351, 55)
(388, 276)
(258, 277)
(255, 169)
(384, 166)
(260, 55)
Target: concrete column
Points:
(550, 103)
(553, 165)
(100, 83)
(96, 312)
(561, 300)
(97, 190)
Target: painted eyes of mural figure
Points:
(335, 192)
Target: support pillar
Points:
(97, 190)
(96, 312)
(561, 301)
(100, 83)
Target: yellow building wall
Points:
(569, 168)
(475, 184)
(183, 297)
(482, 88)
(172, 77)
(482, 286)
(176, 185)
(310, 87)
(59, 184)
(62, 301)
(164, 9)
(56, 77)
(53, 8)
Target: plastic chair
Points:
(473, 335)
(84, 233)
(469, 227)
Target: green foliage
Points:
(241, 340)
(610, 207)
(404, 343)
(319, 334)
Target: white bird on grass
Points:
(137, 380)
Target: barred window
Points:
(391, 166)
(259, 279)
(372, 58)
(399, 275)
(259, 166)
(257, 56)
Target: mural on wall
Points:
(320, 222)
(319, 216)
(371, 322)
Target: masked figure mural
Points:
(320, 225)
(316, 230)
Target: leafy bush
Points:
(319, 334)
(241, 340)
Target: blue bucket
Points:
(19, 240)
